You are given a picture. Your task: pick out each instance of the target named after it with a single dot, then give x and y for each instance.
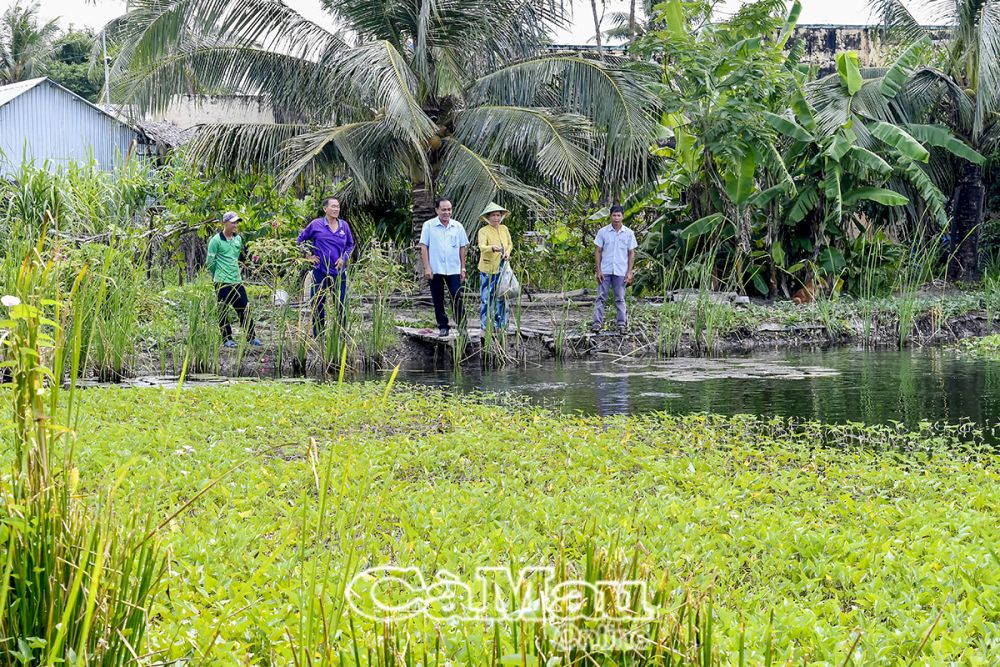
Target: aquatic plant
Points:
(801, 534)
(77, 579)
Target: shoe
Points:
(622, 329)
(443, 332)
(256, 342)
(229, 343)
(596, 328)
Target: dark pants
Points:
(322, 284)
(235, 296)
(454, 283)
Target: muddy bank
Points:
(557, 326)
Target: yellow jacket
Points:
(489, 260)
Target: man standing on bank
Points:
(332, 244)
(223, 263)
(614, 258)
(443, 246)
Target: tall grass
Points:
(197, 308)
(913, 274)
(991, 299)
(378, 276)
(76, 584)
(667, 624)
(111, 308)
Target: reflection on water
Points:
(907, 386)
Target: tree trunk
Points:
(423, 210)
(967, 221)
(597, 28)
(631, 21)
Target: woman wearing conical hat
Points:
(495, 246)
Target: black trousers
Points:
(235, 296)
(454, 283)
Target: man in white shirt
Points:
(614, 259)
(443, 246)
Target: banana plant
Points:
(773, 172)
(855, 158)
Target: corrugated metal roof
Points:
(12, 90)
(54, 126)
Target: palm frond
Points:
(159, 34)
(381, 78)
(923, 185)
(479, 34)
(898, 21)
(369, 151)
(472, 180)
(611, 93)
(555, 145)
(242, 147)
(988, 75)
(830, 102)
(928, 85)
(989, 142)
(291, 83)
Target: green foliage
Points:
(25, 43)
(466, 101)
(194, 197)
(77, 580)
(71, 65)
(79, 199)
(804, 534)
(559, 258)
(778, 174)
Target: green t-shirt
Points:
(223, 260)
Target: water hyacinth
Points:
(775, 538)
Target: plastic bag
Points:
(508, 286)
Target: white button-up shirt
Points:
(443, 245)
(614, 249)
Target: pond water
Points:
(908, 386)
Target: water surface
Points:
(908, 386)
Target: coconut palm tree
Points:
(25, 43)
(966, 96)
(432, 96)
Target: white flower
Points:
(10, 301)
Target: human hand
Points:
(428, 274)
(461, 275)
(600, 276)
(339, 264)
(628, 278)
(314, 259)
(496, 248)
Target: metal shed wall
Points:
(49, 123)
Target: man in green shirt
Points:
(224, 264)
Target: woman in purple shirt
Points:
(332, 242)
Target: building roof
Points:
(160, 132)
(12, 90)
(165, 133)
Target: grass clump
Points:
(75, 584)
